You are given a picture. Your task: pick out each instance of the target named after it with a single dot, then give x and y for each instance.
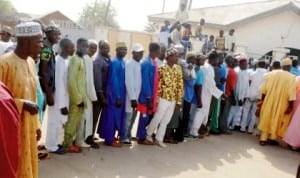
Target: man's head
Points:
(202, 21)
(104, 48)
(29, 39)
(163, 49)
(121, 49)
(172, 56)
(137, 52)
(221, 57)
(52, 34)
(261, 63)
(295, 63)
(200, 60)
(243, 63)
(213, 58)
(154, 50)
(286, 64)
(167, 22)
(180, 50)
(231, 32)
(82, 46)
(190, 58)
(276, 65)
(92, 47)
(6, 33)
(211, 38)
(221, 33)
(67, 46)
(182, 6)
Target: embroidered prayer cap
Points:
(52, 27)
(91, 41)
(179, 48)
(137, 48)
(190, 54)
(286, 62)
(6, 29)
(171, 50)
(121, 45)
(28, 29)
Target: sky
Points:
(131, 14)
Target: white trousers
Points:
(161, 118)
(54, 127)
(86, 124)
(249, 118)
(199, 117)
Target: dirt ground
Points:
(235, 156)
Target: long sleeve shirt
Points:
(100, 68)
(171, 83)
(133, 81)
(256, 79)
(61, 95)
(242, 85)
(230, 81)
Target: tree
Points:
(7, 11)
(94, 15)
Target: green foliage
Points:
(93, 15)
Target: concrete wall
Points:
(113, 36)
(262, 36)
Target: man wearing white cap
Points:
(17, 72)
(133, 82)
(5, 42)
(278, 90)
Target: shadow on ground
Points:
(238, 155)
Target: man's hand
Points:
(102, 100)
(118, 103)
(133, 103)
(38, 134)
(178, 107)
(199, 105)
(31, 107)
(288, 110)
(240, 102)
(64, 111)
(224, 97)
(149, 104)
(50, 99)
(233, 101)
(81, 105)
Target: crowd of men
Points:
(171, 96)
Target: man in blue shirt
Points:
(294, 69)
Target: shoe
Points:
(161, 144)
(242, 131)
(74, 149)
(263, 143)
(84, 145)
(94, 145)
(192, 137)
(215, 132)
(149, 138)
(116, 144)
(60, 151)
(128, 143)
(226, 133)
(171, 141)
(145, 142)
(97, 139)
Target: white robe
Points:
(209, 89)
(61, 100)
(91, 93)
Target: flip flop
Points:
(43, 155)
(59, 151)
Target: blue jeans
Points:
(130, 118)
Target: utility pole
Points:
(190, 4)
(106, 12)
(164, 4)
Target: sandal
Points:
(43, 155)
(95, 145)
(41, 147)
(74, 149)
